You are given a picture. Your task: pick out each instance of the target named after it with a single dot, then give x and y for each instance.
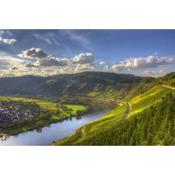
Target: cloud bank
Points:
(36, 61)
(142, 62)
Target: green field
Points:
(105, 131)
(45, 104)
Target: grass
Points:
(76, 108)
(107, 123)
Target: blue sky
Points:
(116, 45)
(145, 52)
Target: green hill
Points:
(147, 119)
(95, 88)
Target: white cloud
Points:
(42, 59)
(84, 58)
(52, 61)
(142, 62)
(102, 63)
(83, 67)
(33, 53)
(7, 41)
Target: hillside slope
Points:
(146, 119)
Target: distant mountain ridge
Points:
(63, 85)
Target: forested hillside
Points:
(86, 83)
(146, 119)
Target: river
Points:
(53, 132)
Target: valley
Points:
(133, 110)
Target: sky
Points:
(48, 52)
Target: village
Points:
(15, 112)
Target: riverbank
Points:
(55, 131)
(39, 124)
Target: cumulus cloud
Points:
(83, 67)
(142, 62)
(7, 41)
(52, 61)
(42, 59)
(83, 62)
(84, 58)
(33, 53)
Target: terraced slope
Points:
(137, 122)
(148, 99)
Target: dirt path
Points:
(169, 87)
(82, 132)
(129, 110)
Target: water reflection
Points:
(78, 117)
(39, 130)
(46, 135)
